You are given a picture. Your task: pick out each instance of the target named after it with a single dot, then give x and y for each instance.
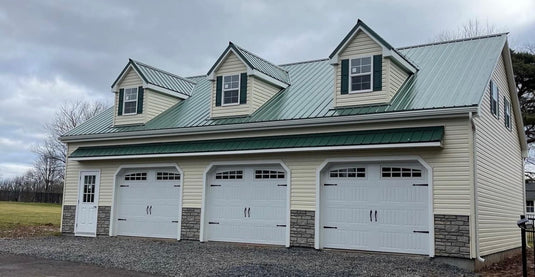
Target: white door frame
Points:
(202, 235)
(96, 172)
(152, 165)
(327, 162)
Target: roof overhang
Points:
(281, 125)
(387, 50)
(364, 139)
(516, 103)
(251, 71)
(132, 66)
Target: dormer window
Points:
(231, 90)
(361, 74)
(130, 101)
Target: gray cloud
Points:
(51, 51)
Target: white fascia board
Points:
(267, 78)
(515, 103)
(166, 91)
(285, 124)
(260, 151)
(400, 60)
(121, 78)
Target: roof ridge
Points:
(453, 41)
(302, 62)
(163, 71)
(264, 60)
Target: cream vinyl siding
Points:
(499, 174)
(230, 66)
(156, 103)
(361, 44)
(262, 92)
(397, 77)
(451, 167)
(132, 79)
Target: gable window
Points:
(529, 206)
(507, 113)
(361, 74)
(231, 89)
(130, 101)
(494, 93)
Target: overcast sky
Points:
(56, 51)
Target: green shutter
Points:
(345, 77)
(497, 102)
(218, 88)
(139, 100)
(377, 72)
(243, 88)
(121, 98)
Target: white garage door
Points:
(247, 204)
(377, 207)
(148, 202)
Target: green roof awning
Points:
(328, 141)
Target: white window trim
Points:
(124, 101)
(496, 111)
(507, 114)
(361, 74)
(223, 90)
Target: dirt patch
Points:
(510, 267)
(24, 231)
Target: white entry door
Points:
(247, 204)
(148, 203)
(376, 207)
(87, 208)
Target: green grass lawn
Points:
(17, 215)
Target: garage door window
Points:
(350, 172)
(167, 176)
(233, 174)
(400, 172)
(269, 174)
(138, 176)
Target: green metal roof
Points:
(255, 62)
(451, 74)
(390, 136)
(160, 78)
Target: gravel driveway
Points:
(190, 258)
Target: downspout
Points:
(476, 233)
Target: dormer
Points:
(242, 82)
(368, 70)
(142, 92)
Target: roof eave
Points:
(272, 125)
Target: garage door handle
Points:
(245, 212)
(150, 210)
(147, 209)
(375, 215)
(249, 212)
(371, 216)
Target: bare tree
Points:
(472, 28)
(52, 152)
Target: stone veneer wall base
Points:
(302, 228)
(191, 223)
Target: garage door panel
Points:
(248, 208)
(398, 208)
(148, 205)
